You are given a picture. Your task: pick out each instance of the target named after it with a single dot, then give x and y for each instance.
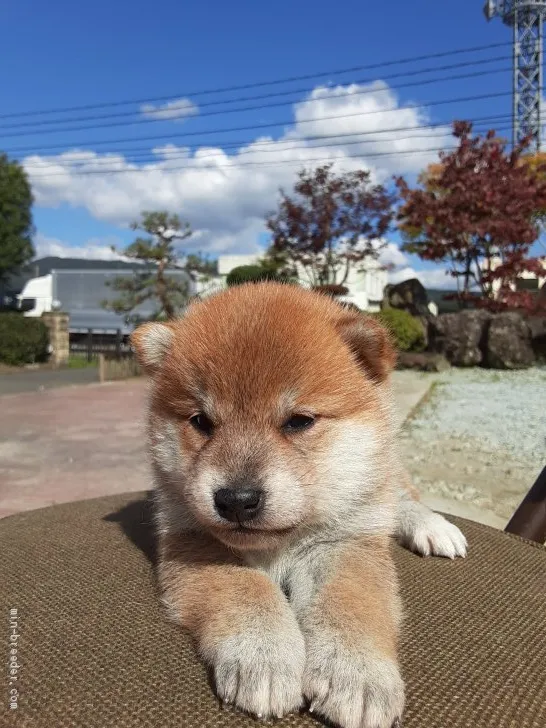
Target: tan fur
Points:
(364, 566)
(302, 601)
(208, 588)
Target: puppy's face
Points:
(266, 417)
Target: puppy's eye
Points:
(202, 424)
(297, 423)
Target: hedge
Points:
(407, 331)
(331, 289)
(252, 274)
(23, 340)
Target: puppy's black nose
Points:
(238, 504)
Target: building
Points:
(526, 281)
(10, 289)
(365, 286)
(79, 287)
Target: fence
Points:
(112, 352)
(91, 343)
(113, 369)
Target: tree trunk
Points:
(162, 291)
(347, 270)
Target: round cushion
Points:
(95, 649)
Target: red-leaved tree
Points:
(332, 222)
(477, 211)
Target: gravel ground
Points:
(480, 437)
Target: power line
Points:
(254, 127)
(259, 107)
(301, 90)
(149, 157)
(258, 84)
(234, 165)
(388, 130)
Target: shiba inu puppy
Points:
(273, 447)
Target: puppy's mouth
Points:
(242, 529)
(239, 534)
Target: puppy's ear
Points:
(370, 343)
(151, 343)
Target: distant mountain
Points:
(438, 296)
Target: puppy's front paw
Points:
(353, 690)
(428, 533)
(261, 672)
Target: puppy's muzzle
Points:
(239, 504)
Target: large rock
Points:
(460, 337)
(509, 343)
(537, 328)
(425, 361)
(409, 295)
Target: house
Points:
(365, 283)
(526, 281)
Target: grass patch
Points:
(79, 361)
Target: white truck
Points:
(80, 293)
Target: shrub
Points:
(332, 289)
(407, 331)
(252, 274)
(22, 340)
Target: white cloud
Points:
(175, 109)
(391, 255)
(433, 278)
(93, 249)
(225, 195)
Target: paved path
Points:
(40, 379)
(71, 443)
(409, 389)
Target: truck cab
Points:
(36, 297)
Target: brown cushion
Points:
(96, 650)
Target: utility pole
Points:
(526, 17)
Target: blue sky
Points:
(65, 54)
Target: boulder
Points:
(509, 342)
(460, 337)
(425, 324)
(425, 361)
(409, 295)
(537, 329)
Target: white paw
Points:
(261, 673)
(428, 533)
(353, 690)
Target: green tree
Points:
(200, 267)
(157, 252)
(16, 229)
(278, 262)
(252, 274)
